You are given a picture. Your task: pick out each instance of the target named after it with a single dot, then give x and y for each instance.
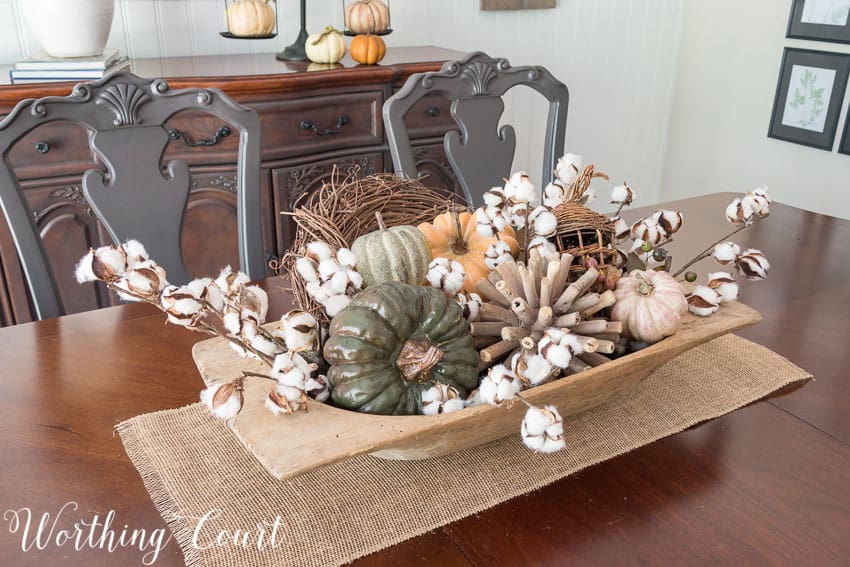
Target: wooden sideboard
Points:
(313, 118)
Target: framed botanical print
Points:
(821, 20)
(809, 96)
(844, 146)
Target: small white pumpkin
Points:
(650, 305)
(367, 16)
(325, 47)
(251, 18)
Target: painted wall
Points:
(618, 58)
(728, 67)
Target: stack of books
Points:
(45, 69)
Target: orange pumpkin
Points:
(454, 236)
(367, 49)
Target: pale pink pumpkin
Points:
(650, 305)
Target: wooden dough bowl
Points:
(290, 445)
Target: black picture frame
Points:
(844, 146)
(784, 125)
(799, 29)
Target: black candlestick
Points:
(296, 51)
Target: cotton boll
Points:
(622, 230)
(622, 194)
(759, 201)
(495, 198)
(255, 299)
(517, 214)
(346, 258)
(318, 388)
(542, 430)
(181, 306)
(752, 264)
(544, 247)
(554, 194)
(498, 385)
(338, 284)
(522, 189)
(307, 269)
(109, 263)
(724, 284)
(471, 303)
(84, 272)
(230, 282)
(327, 268)
(276, 403)
(355, 279)
(537, 369)
(670, 221)
(740, 212)
(703, 301)
(498, 219)
(508, 385)
(440, 398)
(264, 345)
(726, 252)
(135, 253)
(224, 400)
(568, 168)
(214, 297)
(299, 330)
(572, 343)
(554, 353)
(335, 304)
(317, 292)
(648, 230)
(543, 222)
(232, 322)
(318, 251)
(496, 254)
(147, 279)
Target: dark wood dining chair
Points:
(480, 152)
(134, 195)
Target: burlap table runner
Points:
(193, 466)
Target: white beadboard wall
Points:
(618, 57)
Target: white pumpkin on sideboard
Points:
(69, 28)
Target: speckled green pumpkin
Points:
(367, 337)
(397, 254)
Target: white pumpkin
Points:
(325, 47)
(650, 304)
(251, 18)
(367, 16)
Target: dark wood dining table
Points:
(767, 484)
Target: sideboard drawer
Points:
(430, 117)
(52, 150)
(305, 126)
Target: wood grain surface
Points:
(768, 484)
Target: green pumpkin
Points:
(392, 342)
(397, 254)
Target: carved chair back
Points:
(133, 198)
(480, 153)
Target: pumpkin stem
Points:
(645, 287)
(416, 360)
(381, 225)
(459, 246)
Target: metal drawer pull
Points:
(310, 125)
(42, 147)
(176, 134)
(433, 111)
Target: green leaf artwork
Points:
(825, 12)
(808, 97)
